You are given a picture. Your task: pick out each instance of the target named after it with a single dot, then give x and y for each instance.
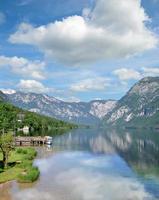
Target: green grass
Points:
(20, 166)
(30, 175)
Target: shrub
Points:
(25, 151)
(19, 150)
(30, 175)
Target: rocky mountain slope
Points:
(81, 112)
(139, 107)
(3, 97)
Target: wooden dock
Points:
(33, 141)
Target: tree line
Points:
(12, 118)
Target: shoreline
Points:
(21, 167)
(6, 183)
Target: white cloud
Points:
(2, 18)
(24, 67)
(96, 84)
(152, 71)
(32, 86)
(113, 29)
(7, 91)
(125, 74)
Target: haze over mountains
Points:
(140, 106)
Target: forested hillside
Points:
(12, 118)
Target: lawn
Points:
(20, 166)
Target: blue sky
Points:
(78, 49)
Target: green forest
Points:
(13, 118)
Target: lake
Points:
(94, 165)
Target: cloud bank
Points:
(32, 86)
(24, 67)
(112, 29)
(97, 84)
(125, 74)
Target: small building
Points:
(25, 129)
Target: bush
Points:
(19, 150)
(29, 151)
(25, 151)
(30, 175)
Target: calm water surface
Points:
(94, 165)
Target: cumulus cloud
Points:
(24, 67)
(32, 86)
(153, 71)
(97, 84)
(125, 74)
(2, 18)
(113, 29)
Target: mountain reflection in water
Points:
(96, 165)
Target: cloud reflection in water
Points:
(84, 176)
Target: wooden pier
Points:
(33, 141)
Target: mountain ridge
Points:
(76, 112)
(139, 107)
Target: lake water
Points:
(94, 165)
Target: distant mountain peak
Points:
(78, 112)
(140, 106)
(145, 85)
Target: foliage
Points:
(30, 175)
(6, 145)
(9, 120)
(20, 166)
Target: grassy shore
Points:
(20, 166)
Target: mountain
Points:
(139, 107)
(81, 112)
(12, 117)
(3, 97)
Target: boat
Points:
(48, 140)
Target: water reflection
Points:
(138, 148)
(96, 165)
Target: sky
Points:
(78, 50)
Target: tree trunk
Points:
(5, 160)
